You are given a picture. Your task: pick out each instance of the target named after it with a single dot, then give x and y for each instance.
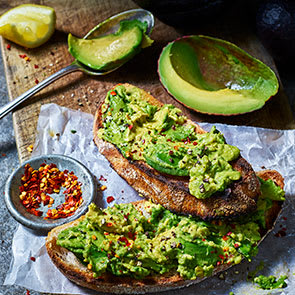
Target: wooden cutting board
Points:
(79, 91)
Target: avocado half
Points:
(214, 76)
(110, 51)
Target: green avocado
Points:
(271, 282)
(110, 51)
(163, 138)
(123, 241)
(213, 76)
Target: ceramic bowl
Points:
(31, 221)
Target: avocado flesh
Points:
(158, 157)
(219, 78)
(108, 52)
(164, 139)
(123, 241)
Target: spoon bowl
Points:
(111, 25)
(108, 26)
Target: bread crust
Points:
(75, 271)
(172, 191)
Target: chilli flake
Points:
(37, 185)
(110, 199)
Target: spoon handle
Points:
(13, 104)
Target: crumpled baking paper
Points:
(64, 131)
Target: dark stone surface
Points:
(8, 162)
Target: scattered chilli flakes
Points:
(37, 185)
(30, 148)
(8, 46)
(25, 57)
(281, 233)
(33, 258)
(103, 187)
(110, 199)
(36, 81)
(102, 178)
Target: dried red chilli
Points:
(102, 178)
(110, 199)
(37, 185)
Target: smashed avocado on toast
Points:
(171, 160)
(144, 247)
(193, 225)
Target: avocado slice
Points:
(214, 76)
(110, 51)
(157, 156)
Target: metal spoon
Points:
(108, 26)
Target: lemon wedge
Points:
(28, 25)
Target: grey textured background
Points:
(9, 161)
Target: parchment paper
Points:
(68, 132)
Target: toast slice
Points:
(77, 272)
(172, 192)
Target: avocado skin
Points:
(275, 23)
(223, 101)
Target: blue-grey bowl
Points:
(18, 211)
